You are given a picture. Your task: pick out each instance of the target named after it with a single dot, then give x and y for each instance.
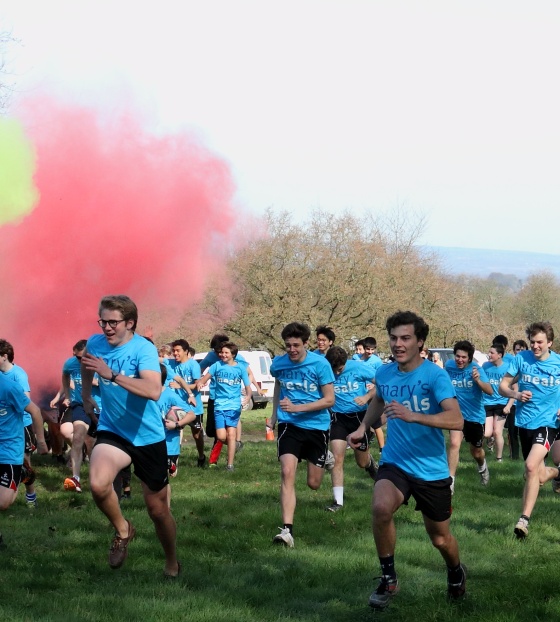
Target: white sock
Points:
(483, 467)
(338, 493)
(76, 477)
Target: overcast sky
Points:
(448, 108)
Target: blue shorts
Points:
(226, 418)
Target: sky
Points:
(448, 109)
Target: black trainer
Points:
(385, 591)
(455, 591)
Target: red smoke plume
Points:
(120, 211)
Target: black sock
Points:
(455, 575)
(289, 528)
(388, 566)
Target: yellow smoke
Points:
(18, 194)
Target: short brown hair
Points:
(123, 304)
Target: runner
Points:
(130, 429)
(537, 374)
(470, 383)
(418, 401)
(303, 394)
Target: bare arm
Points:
(66, 388)
(449, 418)
(508, 388)
(373, 414)
(485, 387)
(148, 385)
(38, 428)
(271, 423)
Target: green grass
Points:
(55, 564)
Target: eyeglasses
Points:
(112, 323)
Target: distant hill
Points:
(486, 262)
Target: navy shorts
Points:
(473, 433)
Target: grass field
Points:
(55, 564)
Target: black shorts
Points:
(343, 424)
(149, 461)
(196, 425)
(210, 422)
(310, 445)
(10, 475)
(495, 409)
(30, 440)
(433, 499)
(65, 416)
(473, 433)
(540, 436)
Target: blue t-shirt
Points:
(301, 383)
(229, 381)
(542, 378)
(212, 358)
(469, 394)
(168, 399)
(13, 403)
(495, 375)
(134, 418)
(373, 361)
(19, 376)
(351, 383)
(73, 368)
(417, 449)
(356, 357)
(189, 371)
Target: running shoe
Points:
(238, 446)
(484, 476)
(385, 591)
(72, 484)
(556, 482)
(213, 465)
(372, 468)
(521, 530)
(490, 444)
(31, 504)
(230, 468)
(201, 462)
(455, 591)
(284, 537)
(329, 461)
(334, 507)
(119, 547)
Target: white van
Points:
(259, 362)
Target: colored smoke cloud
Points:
(119, 210)
(18, 194)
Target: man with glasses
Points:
(130, 429)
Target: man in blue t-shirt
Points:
(351, 397)
(418, 401)
(537, 375)
(470, 383)
(16, 374)
(183, 373)
(229, 377)
(303, 394)
(130, 428)
(75, 430)
(14, 404)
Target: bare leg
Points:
(166, 529)
(106, 461)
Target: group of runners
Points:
(119, 390)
